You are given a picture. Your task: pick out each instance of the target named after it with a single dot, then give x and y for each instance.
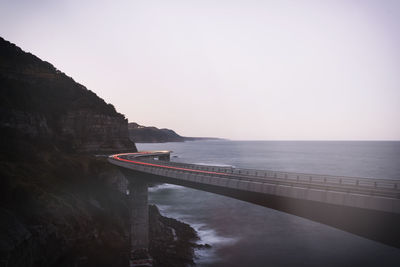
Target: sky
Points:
(236, 69)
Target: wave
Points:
(203, 256)
(165, 210)
(214, 164)
(209, 236)
(164, 187)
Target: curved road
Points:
(363, 206)
(367, 186)
(132, 158)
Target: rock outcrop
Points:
(92, 131)
(172, 242)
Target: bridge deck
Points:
(363, 206)
(369, 186)
(354, 191)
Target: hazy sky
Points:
(236, 69)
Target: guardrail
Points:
(329, 180)
(379, 194)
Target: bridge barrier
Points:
(199, 178)
(358, 192)
(186, 176)
(175, 174)
(322, 179)
(223, 182)
(327, 180)
(243, 184)
(232, 183)
(326, 193)
(269, 189)
(255, 187)
(215, 180)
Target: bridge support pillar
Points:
(139, 221)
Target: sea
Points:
(244, 234)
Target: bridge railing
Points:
(385, 184)
(365, 186)
(189, 165)
(303, 178)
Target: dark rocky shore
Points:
(172, 242)
(60, 205)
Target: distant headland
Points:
(150, 134)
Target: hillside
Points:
(150, 134)
(60, 205)
(41, 105)
(143, 134)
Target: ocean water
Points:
(244, 234)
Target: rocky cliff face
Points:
(91, 131)
(43, 105)
(58, 206)
(59, 210)
(76, 213)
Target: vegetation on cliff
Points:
(41, 104)
(59, 204)
(143, 134)
(62, 210)
(58, 210)
(150, 134)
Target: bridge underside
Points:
(372, 224)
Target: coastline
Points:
(207, 242)
(172, 242)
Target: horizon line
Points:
(305, 140)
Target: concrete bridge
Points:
(363, 206)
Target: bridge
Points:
(366, 207)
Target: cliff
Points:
(76, 213)
(69, 214)
(59, 204)
(45, 107)
(150, 134)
